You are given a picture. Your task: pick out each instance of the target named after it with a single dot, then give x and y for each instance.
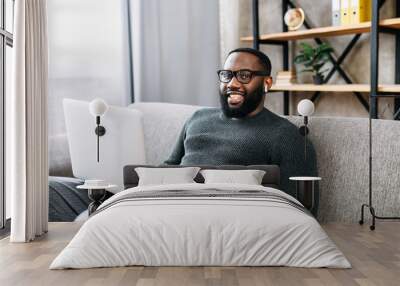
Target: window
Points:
(6, 43)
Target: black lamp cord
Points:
(305, 139)
(98, 136)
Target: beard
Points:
(250, 103)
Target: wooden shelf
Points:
(387, 88)
(322, 32)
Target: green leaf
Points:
(299, 59)
(307, 50)
(305, 46)
(307, 70)
(320, 65)
(323, 71)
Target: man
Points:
(243, 131)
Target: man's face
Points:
(238, 99)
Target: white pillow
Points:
(248, 177)
(165, 176)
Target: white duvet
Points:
(200, 231)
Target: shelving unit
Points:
(374, 89)
(373, 97)
(324, 32)
(391, 26)
(390, 90)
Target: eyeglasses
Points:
(243, 76)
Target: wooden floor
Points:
(375, 257)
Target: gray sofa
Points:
(342, 153)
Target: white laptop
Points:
(122, 144)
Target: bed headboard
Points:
(270, 179)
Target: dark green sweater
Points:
(211, 138)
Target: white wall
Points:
(88, 46)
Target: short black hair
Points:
(263, 58)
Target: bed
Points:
(201, 224)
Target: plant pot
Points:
(318, 79)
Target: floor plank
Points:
(375, 257)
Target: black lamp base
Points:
(96, 196)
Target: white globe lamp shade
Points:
(305, 107)
(98, 107)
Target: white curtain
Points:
(27, 123)
(176, 51)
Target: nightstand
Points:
(96, 194)
(305, 190)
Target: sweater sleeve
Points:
(179, 149)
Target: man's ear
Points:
(268, 83)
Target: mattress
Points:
(201, 225)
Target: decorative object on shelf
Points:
(305, 189)
(313, 59)
(359, 11)
(96, 192)
(294, 18)
(285, 78)
(98, 108)
(354, 11)
(305, 108)
(335, 12)
(344, 12)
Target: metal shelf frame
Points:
(337, 63)
(374, 94)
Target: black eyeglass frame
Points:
(234, 74)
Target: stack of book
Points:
(345, 12)
(285, 78)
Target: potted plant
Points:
(313, 59)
